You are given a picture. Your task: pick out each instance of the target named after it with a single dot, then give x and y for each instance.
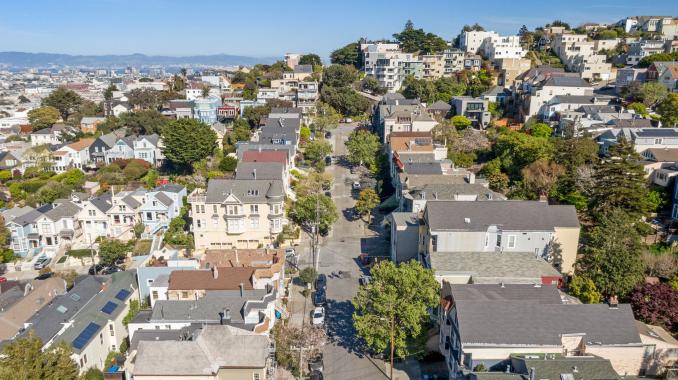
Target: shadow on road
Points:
(374, 246)
(340, 326)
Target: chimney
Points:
(215, 272)
(467, 220)
(242, 290)
(613, 302)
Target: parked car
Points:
(328, 135)
(318, 316)
(3, 279)
(347, 120)
(112, 269)
(328, 194)
(96, 269)
(328, 160)
(316, 364)
(356, 185)
(44, 276)
(290, 252)
(41, 262)
(364, 279)
(319, 297)
(321, 282)
(315, 375)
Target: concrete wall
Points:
(568, 237)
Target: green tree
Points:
(638, 108)
(339, 75)
(310, 59)
(652, 93)
(303, 212)
(619, 182)
(541, 175)
(461, 122)
(497, 180)
(668, 109)
(240, 132)
(93, 374)
(416, 40)
(516, 150)
(345, 100)
(584, 289)
(255, 114)
(43, 117)
(606, 34)
(363, 148)
(371, 85)
(347, 55)
(111, 250)
(308, 275)
(325, 117)
(421, 89)
(392, 309)
(144, 98)
(367, 201)
(228, 164)
(316, 150)
(611, 256)
(144, 122)
(188, 141)
(135, 169)
(660, 57)
(63, 99)
(108, 93)
(541, 130)
(23, 358)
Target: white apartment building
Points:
(454, 61)
(580, 55)
(640, 49)
(500, 47)
(386, 63)
(471, 41)
(237, 213)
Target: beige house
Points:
(237, 213)
(434, 66)
(661, 349)
(218, 353)
(31, 296)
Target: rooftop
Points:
(492, 268)
(215, 279)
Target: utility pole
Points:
(316, 232)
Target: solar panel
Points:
(86, 335)
(123, 294)
(109, 307)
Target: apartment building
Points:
(471, 41)
(237, 213)
(385, 62)
(579, 55)
(502, 47)
(643, 48)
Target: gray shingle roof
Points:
(510, 215)
(170, 188)
(449, 191)
(524, 323)
(492, 268)
(587, 367)
(249, 191)
(259, 170)
(63, 210)
(440, 105)
(102, 202)
(426, 168)
(523, 293)
(164, 199)
(566, 81)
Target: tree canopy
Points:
(188, 141)
(303, 212)
(398, 298)
(363, 148)
(668, 110)
(339, 75)
(43, 117)
(659, 57)
(65, 100)
(143, 122)
(310, 59)
(416, 40)
(345, 100)
(656, 304)
(23, 358)
(111, 250)
(367, 201)
(347, 55)
(316, 150)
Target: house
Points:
(20, 300)
(24, 237)
(51, 136)
(579, 55)
(642, 138)
(149, 148)
(281, 131)
(251, 310)
(216, 352)
(104, 143)
(206, 109)
(123, 213)
(628, 75)
(88, 318)
(237, 213)
(475, 109)
(643, 48)
(260, 152)
(661, 349)
(116, 107)
(500, 226)
(406, 119)
(660, 165)
(497, 94)
(439, 110)
(74, 155)
(89, 124)
(123, 149)
(269, 264)
(560, 104)
(57, 224)
(454, 61)
(264, 170)
(487, 323)
(538, 86)
(9, 161)
(183, 109)
(496, 47)
(552, 367)
(510, 69)
(665, 73)
(414, 198)
(160, 206)
(93, 217)
(155, 270)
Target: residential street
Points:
(339, 252)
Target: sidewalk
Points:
(298, 306)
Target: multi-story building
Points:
(434, 66)
(643, 48)
(454, 60)
(502, 47)
(206, 109)
(74, 155)
(385, 62)
(237, 213)
(579, 55)
(475, 109)
(471, 41)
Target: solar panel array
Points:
(109, 307)
(86, 335)
(123, 294)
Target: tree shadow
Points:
(339, 325)
(374, 246)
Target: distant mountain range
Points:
(46, 60)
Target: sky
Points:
(270, 28)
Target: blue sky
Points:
(271, 28)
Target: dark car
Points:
(328, 160)
(44, 276)
(316, 364)
(111, 270)
(315, 375)
(321, 282)
(328, 194)
(319, 297)
(328, 135)
(96, 269)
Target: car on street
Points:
(112, 269)
(328, 194)
(321, 282)
(96, 269)
(290, 252)
(347, 120)
(328, 160)
(364, 279)
(41, 262)
(319, 297)
(3, 279)
(356, 185)
(315, 375)
(316, 364)
(44, 276)
(318, 316)
(328, 135)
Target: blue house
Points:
(161, 205)
(22, 225)
(206, 109)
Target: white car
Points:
(318, 316)
(356, 185)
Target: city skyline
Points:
(123, 27)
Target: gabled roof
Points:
(440, 105)
(566, 81)
(249, 191)
(102, 202)
(664, 155)
(259, 170)
(303, 69)
(81, 144)
(170, 188)
(228, 278)
(509, 215)
(164, 199)
(64, 209)
(264, 156)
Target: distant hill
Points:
(41, 60)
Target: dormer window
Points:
(252, 192)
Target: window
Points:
(512, 241)
(116, 218)
(674, 213)
(111, 330)
(658, 141)
(101, 338)
(214, 209)
(254, 209)
(487, 240)
(91, 213)
(256, 376)
(254, 223)
(498, 240)
(434, 243)
(149, 216)
(198, 223)
(184, 294)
